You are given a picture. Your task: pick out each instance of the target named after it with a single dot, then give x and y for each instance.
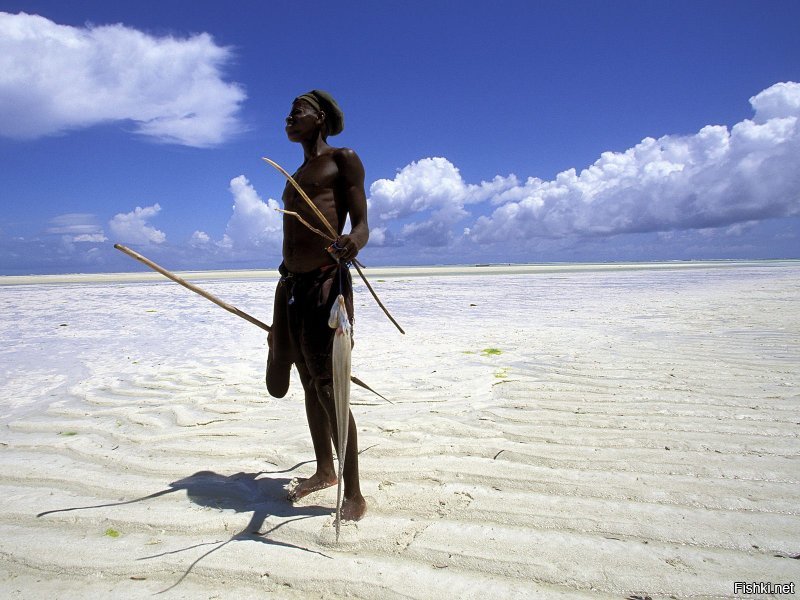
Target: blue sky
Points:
(490, 132)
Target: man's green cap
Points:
(323, 101)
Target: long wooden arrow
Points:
(222, 304)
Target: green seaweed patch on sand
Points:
(491, 352)
(67, 433)
(112, 533)
(501, 373)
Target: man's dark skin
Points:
(333, 178)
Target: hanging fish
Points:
(341, 358)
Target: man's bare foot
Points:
(313, 484)
(353, 509)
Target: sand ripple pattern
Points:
(610, 433)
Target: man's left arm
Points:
(351, 173)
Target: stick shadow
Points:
(240, 492)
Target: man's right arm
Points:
(351, 173)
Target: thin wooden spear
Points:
(190, 286)
(229, 307)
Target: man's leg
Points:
(353, 505)
(320, 428)
(279, 357)
(314, 341)
(321, 414)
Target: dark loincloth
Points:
(300, 331)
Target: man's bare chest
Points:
(318, 179)
(318, 175)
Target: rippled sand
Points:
(558, 433)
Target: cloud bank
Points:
(55, 78)
(718, 177)
(719, 193)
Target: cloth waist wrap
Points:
(300, 332)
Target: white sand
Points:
(636, 434)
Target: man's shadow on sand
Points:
(241, 492)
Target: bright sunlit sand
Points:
(555, 432)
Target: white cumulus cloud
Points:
(199, 239)
(377, 236)
(55, 78)
(133, 227)
(433, 187)
(254, 224)
(254, 231)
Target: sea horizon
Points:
(389, 271)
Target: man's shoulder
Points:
(345, 154)
(348, 162)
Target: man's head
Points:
(315, 108)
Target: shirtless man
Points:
(333, 178)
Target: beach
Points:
(595, 431)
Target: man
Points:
(311, 279)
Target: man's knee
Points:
(324, 388)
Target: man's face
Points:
(302, 122)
